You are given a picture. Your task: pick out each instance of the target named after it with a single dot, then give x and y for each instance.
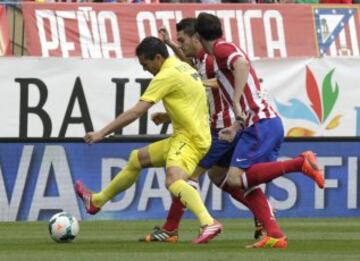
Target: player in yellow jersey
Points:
(179, 87)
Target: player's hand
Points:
(160, 117)
(227, 134)
(93, 136)
(210, 83)
(164, 34)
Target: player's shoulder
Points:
(177, 64)
(174, 71)
(223, 46)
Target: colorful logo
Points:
(318, 110)
(337, 31)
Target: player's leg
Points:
(152, 155)
(190, 197)
(168, 233)
(251, 149)
(181, 162)
(259, 206)
(264, 218)
(177, 209)
(217, 149)
(259, 140)
(217, 176)
(306, 163)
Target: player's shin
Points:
(265, 172)
(259, 205)
(177, 210)
(191, 199)
(123, 180)
(239, 195)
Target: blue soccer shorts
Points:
(220, 152)
(260, 142)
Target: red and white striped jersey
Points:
(253, 100)
(221, 114)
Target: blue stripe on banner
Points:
(36, 180)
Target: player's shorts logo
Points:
(178, 152)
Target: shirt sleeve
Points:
(226, 54)
(156, 90)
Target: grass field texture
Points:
(309, 239)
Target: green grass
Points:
(309, 239)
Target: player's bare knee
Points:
(198, 172)
(174, 174)
(134, 161)
(144, 157)
(234, 178)
(217, 175)
(216, 180)
(169, 181)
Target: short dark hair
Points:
(187, 25)
(208, 26)
(150, 46)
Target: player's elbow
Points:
(244, 64)
(241, 65)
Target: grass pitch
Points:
(309, 239)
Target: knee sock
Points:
(265, 172)
(191, 199)
(262, 210)
(174, 216)
(177, 210)
(236, 194)
(123, 180)
(257, 203)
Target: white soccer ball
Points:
(63, 227)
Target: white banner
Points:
(315, 97)
(54, 97)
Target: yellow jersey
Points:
(180, 88)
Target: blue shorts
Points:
(219, 153)
(260, 142)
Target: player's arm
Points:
(241, 73)
(120, 122)
(160, 117)
(211, 83)
(178, 52)
(229, 133)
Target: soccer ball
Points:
(63, 227)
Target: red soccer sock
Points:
(265, 172)
(236, 193)
(261, 208)
(174, 216)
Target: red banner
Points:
(114, 30)
(5, 47)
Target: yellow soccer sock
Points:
(191, 199)
(123, 180)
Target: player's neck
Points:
(209, 46)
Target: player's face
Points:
(186, 44)
(152, 66)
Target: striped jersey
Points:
(221, 114)
(253, 101)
